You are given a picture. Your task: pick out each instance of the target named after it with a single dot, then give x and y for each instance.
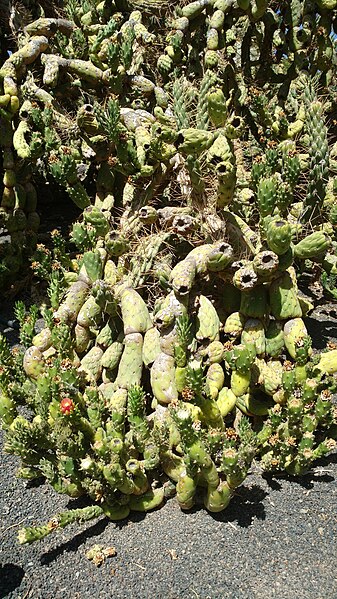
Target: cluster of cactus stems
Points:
(174, 353)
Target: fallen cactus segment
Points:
(174, 352)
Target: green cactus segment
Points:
(135, 315)
(131, 363)
(91, 363)
(267, 195)
(31, 534)
(274, 339)
(278, 234)
(136, 412)
(328, 362)
(215, 378)
(183, 275)
(254, 334)
(8, 411)
(254, 302)
(151, 346)
(234, 324)
(226, 401)
(295, 336)
(312, 246)
(33, 362)
(148, 501)
(194, 141)
(163, 379)
(265, 264)
(283, 297)
(90, 313)
(217, 107)
(74, 300)
(112, 355)
(208, 322)
(218, 499)
(93, 265)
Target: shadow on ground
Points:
(11, 576)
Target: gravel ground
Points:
(276, 539)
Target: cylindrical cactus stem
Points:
(217, 499)
(135, 315)
(245, 278)
(116, 511)
(314, 246)
(274, 338)
(31, 534)
(226, 174)
(8, 411)
(214, 352)
(93, 263)
(136, 412)
(186, 489)
(254, 302)
(112, 355)
(240, 382)
(226, 401)
(265, 264)
(139, 478)
(131, 363)
(25, 55)
(208, 322)
(278, 235)
(163, 379)
(49, 26)
(254, 333)
(151, 346)
(328, 362)
(295, 333)
(43, 340)
(283, 297)
(182, 276)
(75, 298)
(170, 309)
(234, 324)
(193, 141)
(220, 257)
(90, 314)
(215, 379)
(148, 501)
(33, 362)
(91, 363)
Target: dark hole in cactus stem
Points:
(88, 107)
(183, 290)
(222, 168)
(179, 139)
(224, 247)
(267, 259)
(143, 212)
(53, 27)
(24, 114)
(246, 279)
(236, 122)
(146, 146)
